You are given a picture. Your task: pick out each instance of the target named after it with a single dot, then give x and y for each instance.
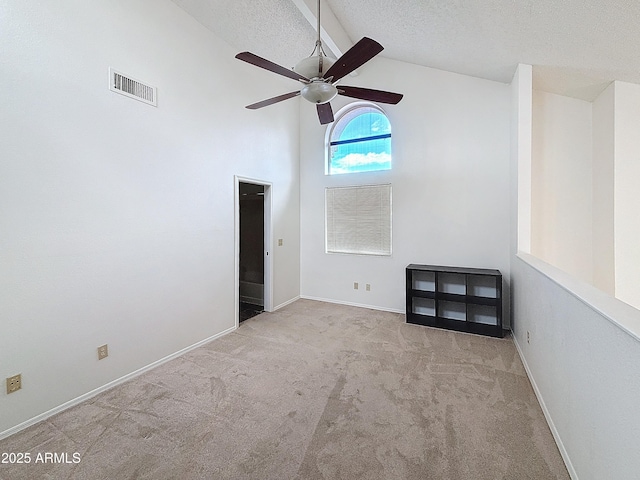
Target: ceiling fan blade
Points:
(268, 65)
(325, 113)
(358, 55)
(271, 101)
(369, 94)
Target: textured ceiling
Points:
(576, 46)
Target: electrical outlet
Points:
(368, 287)
(14, 383)
(355, 285)
(280, 242)
(103, 352)
(528, 337)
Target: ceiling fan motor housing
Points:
(310, 66)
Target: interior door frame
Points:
(268, 243)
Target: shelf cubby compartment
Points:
(452, 310)
(481, 286)
(423, 281)
(485, 314)
(423, 306)
(452, 283)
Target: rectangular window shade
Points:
(358, 220)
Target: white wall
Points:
(562, 183)
(584, 187)
(627, 193)
(582, 365)
(520, 154)
(577, 342)
(616, 255)
(450, 181)
(116, 219)
(603, 113)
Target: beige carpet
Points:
(312, 391)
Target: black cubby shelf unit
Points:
(462, 299)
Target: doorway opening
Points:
(253, 287)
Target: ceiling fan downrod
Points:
(319, 48)
(318, 62)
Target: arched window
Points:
(359, 141)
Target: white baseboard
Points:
(93, 393)
(547, 415)
(286, 303)
(352, 304)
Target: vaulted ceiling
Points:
(576, 46)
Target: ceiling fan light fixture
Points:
(319, 92)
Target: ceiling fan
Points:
(320, 74)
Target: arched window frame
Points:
(339, 116)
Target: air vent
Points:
(125, 85)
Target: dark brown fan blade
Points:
(358, 55)
(369, 94)
(325, 113)
(268, 65)
(271, 101)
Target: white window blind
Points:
(358, 219)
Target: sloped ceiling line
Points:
(576, 48)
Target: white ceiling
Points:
(576, 46)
